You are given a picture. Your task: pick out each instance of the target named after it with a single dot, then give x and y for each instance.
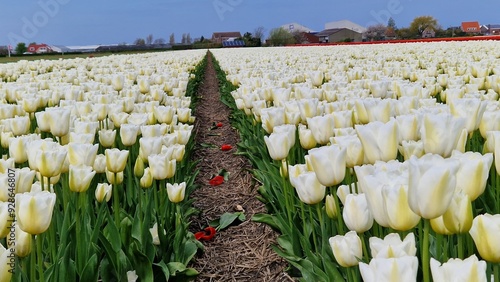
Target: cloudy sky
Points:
(78, 22)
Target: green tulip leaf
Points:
(90, 272)
(266, 219)
(164, 268)
(227, 219)
(175, 267)
(142, 264)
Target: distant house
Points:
(429, 33)
(339, 35)
(309, 38)
(39, 48)
(490, 29)
(390, 33)
(345, 24)
(471, 27)
(219, 37)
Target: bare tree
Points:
(172, 39)
(184, 39)
(376, 32)
(149, 39)
(188, 38)
(140, 41)
(259, 32)
(159, 41)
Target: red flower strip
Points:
(218, 180)
(206, 235)
(226, 147)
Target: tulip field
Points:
(95, 172)
(375, 162)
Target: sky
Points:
(78, 22)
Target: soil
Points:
(241, 252)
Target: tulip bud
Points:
(347, 249)
(278, 145)
(176, 192)
(329, 164)
(437, 225)
(103, 192)
(107, 137)
(431, 184)
(356, 214)
(330, 207)
(139, 167)
(154, 234)
(309, 189)
(5, 270)
(306, 138)
(6, 219)
(23, 243)
(80, 177)
(147, 179)
(116, 160)
(484, 231)
(50, 163)
(34, 211)
(114, 178)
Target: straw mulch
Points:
(242, 251)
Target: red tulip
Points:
(218, 180)
(206, 235)
(219, 124)
(226, 147)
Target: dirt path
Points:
(241, 252)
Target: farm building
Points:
(339, 35)
(219, 37)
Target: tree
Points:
(188, 39)
(375, 32)
(21, 48)
(171, 40)
(159, 41)
(419, 24)
(280, 36)
(259, 33)
(403, 33)
(149, 39)
(140, 42)
(391, 23)
(299, 37)
(184, 39)
(202, 38)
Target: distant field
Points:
(65, 56)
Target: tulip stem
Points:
(496, 272)
(460, 246)
(33, 259)
(340, 220)
(286, 194)
(365, 250)
(155, 197)
(116, 203)
(425, 251)
(39, 243)
(311, 219)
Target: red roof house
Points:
(39, 48)
(471, 27)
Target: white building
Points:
(295, 27)
(345, 24)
